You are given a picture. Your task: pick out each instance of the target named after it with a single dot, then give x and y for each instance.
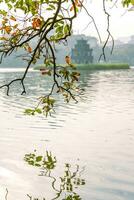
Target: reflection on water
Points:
(98, 133)
(68, 182)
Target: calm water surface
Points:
(97, 134)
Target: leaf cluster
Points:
(46, 162)
(127, 2)
(46, 22)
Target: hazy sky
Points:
(121, 22)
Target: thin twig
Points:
(93, 20)
(6, 194)
(109, 34)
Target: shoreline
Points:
(97, 66)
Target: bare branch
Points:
(6, 194)
(93, 20)
(109, 34)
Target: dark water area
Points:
(95, 136)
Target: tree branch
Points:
(109, 34)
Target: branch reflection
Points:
(69, 182)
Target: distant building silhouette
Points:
(82, 53)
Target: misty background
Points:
(123, 51)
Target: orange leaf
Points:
(13, 18)
(77, 4)
(29, 49)
(7, 29)
(68, 60)
(72, 8)
(36, 23)
(45, 71)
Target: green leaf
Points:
(39, 158)
(66, 29)
(38, 110)
(29, 111)
(37, 165)
(31, 162)
(3, 12)
(52, 6)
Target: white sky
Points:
(121, 25)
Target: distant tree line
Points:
(122, 53)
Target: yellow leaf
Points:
(4, 21)
(15, 26)
(3, 38)
(132, 2)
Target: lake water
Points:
(97, 134)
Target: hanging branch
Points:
(93, 20)
(57, 27)
(109, 34)
(43, 31)
(61, 24)
(114, 4)
(6, 194)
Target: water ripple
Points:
(98, 131)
